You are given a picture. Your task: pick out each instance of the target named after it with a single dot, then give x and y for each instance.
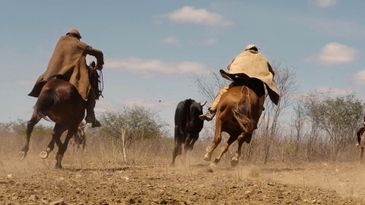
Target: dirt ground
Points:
(85, 180)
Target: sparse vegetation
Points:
(99, 173)
(138, 123)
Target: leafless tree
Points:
(285, 79)
(298, 124)
(210, 85)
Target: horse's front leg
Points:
(217, 139)
(57, 132)
(30, 125)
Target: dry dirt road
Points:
(34, 181)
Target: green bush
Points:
(138, 123)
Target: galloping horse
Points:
(238, 113)
(60, 101)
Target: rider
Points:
(249, 63)
(69, 62)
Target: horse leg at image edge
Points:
(30, 125)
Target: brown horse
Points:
(59, 101)
(238, 113)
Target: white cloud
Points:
(334, 91)
(359, 77)
(170, 40)
(325, 3)
(104, 106)
(334, 53)
(159, 104)
(146, 66)
(189, 14)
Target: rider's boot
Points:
(90, 114)
(208, 116)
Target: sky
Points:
(155, 50)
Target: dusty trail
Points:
(36, 182)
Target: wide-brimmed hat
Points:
(75, 32)
(251, 47)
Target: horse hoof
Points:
(22, 155)
(207, 157)
(216, 160)
(43, 154)
(58, 166)
(211, 167)
(234, 162)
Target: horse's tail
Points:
(243, 105)
(243, 111)
(45, 101)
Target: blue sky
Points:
(154, 50)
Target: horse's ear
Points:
(202, 104)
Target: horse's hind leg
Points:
(217, 139)
(62, 147)
(30, 125)
(362, 153)
(225, 147)
(57, 132)
(241, 139)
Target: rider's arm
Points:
(98, 55)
